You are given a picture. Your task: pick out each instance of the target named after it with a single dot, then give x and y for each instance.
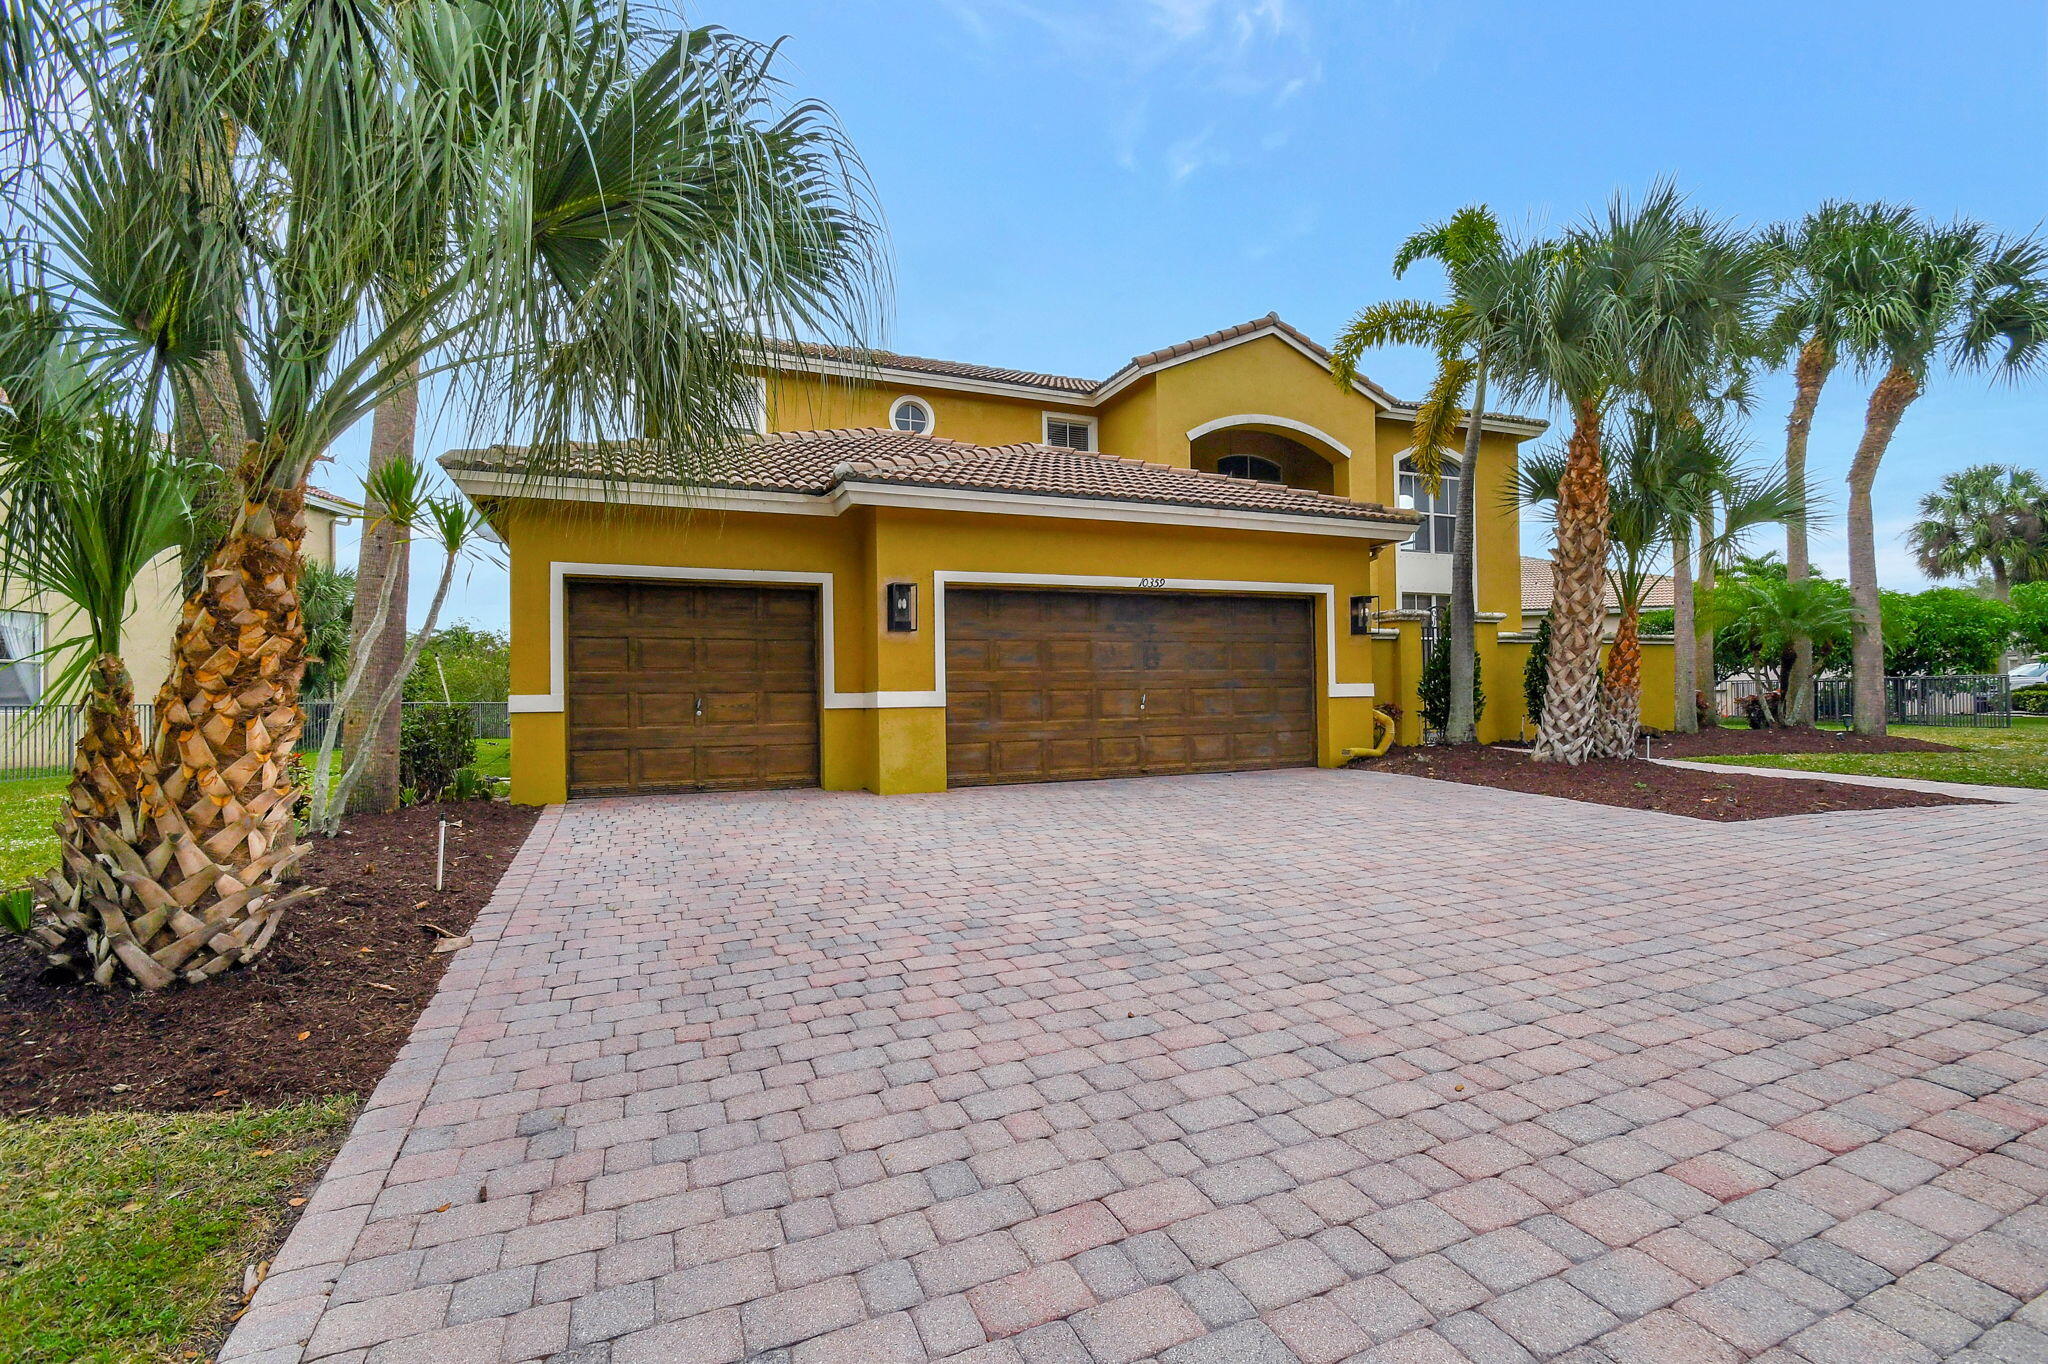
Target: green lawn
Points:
(125, 1234)
(1989, 757)
(28, 809)
(494, 757)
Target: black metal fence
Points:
(34, 741)
(1952, 702)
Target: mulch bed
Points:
(1636, 785)
(321, 1012)
(1717, 743)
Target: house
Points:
(925, 573)
(30, 623)
(1539, 587)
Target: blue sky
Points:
(1067, 184)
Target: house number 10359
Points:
(1151, 582)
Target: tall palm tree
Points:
(1828, 267)
(1988, 518)
(1953, 294)
(643, 210)
(1470, 246)
(91, 499)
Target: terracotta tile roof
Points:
(1539, 589)
(1064, 383)
(816, 462)
(956, 369)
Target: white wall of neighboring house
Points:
(154, 606)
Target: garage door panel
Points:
(597, 654)
(1046, 685)
(640, 659)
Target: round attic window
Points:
(911, 414)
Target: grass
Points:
(123, 1235)
(1989, 757)
(494, 757)
(28, 809)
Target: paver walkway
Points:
(1301, 1066)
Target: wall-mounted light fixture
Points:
(1363, 609)
(902, 601)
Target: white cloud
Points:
(1183, 84)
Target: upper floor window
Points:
(1439, 510)
(21, 664)
(1249, 466)
(913, 415)
(1069, 433)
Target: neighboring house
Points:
(927, 574)
(1539, 589)
(31, 623)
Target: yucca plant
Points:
(285, 212)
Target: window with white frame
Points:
(913, 415)
(1069, 432)
(1256, 467)
(1439, 510)
(21, 663)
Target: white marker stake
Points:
(441, 858)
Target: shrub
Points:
(17, 910)
(434, 743)
(2031, 700)
(1435, 686)
(1536, 674)
(469, 784)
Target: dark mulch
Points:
(322, 1011)
(1716, 743)
(1636, 785)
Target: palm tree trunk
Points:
(1685, 662)
(1464, 658)
(1703, 635)
(1571, 702)
(1894, 393)
(93, 913)
(385, 553)
(1810, 375)
(1621, 691)
(212, 865)
(2001, 580)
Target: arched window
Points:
(1249, 466)
(1439, 510)
(911, 414)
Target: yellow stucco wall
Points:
(900, 747)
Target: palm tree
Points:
(640, 212)
(91, 499)
(1660, 473)
(1651, 300)
(1954, 294)
(1469, 245)
(1986, 518)
(1827, 265)
(1770, 613)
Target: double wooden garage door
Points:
(707, 687)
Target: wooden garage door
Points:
(1050, 686)
(690, 687)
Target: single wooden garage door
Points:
(1051, 686)
(691, 687)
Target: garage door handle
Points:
(700, 708)
(1141, 700)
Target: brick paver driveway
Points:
(1297, 1066)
